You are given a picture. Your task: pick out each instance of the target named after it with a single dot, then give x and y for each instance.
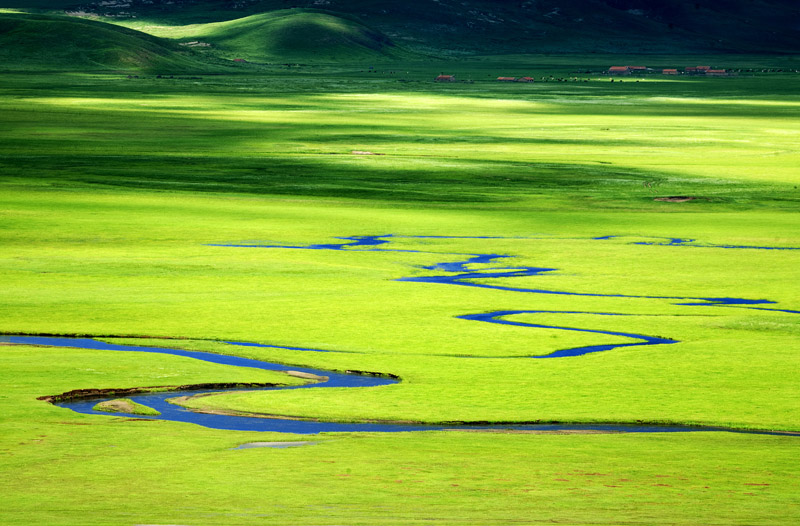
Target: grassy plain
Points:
(113, 189)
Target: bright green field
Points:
(113, 188)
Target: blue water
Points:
(497, 317)
(456, 273)
(377, 240)
(459, 273)
(174, 413)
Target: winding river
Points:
(456, 273)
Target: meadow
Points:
(117, 194)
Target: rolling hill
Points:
(288, 35)
(460, 27)
(30, 42)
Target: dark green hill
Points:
(297, 29)
(509, 26)
(29, 42)
(295, 35)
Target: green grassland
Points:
(30, 42)
(113, 190)
(285, 36)
(55, 42)
(69, 468)
(455, 29)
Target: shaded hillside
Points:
(525, 26)
(290, 35)
(66, 43)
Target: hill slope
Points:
(290, 35)
(65, 43)
(519, 26)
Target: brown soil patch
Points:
(85, 394)
(116, 406)
(372, 373)
(180, 400)
(307, 376)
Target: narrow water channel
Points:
(456, 273)
(175, 413)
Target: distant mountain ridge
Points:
(512, 26)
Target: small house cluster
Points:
(707, 71)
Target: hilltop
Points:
(68, 43)
(463, 27)
(284, 35)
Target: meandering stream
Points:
(175, 413)
(456, 273)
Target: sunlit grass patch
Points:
(118, 194)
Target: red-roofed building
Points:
(716, 73)
(669, 71)
(619, 70)
(506, 79)
(525, 79)
(445, 78)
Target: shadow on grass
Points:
(456, 181)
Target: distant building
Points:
(697, 70)
(716, 73)
(637, 69)
(525, 79)
(445, 78)
(507, 79)
(669, 71)
(619, 70)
